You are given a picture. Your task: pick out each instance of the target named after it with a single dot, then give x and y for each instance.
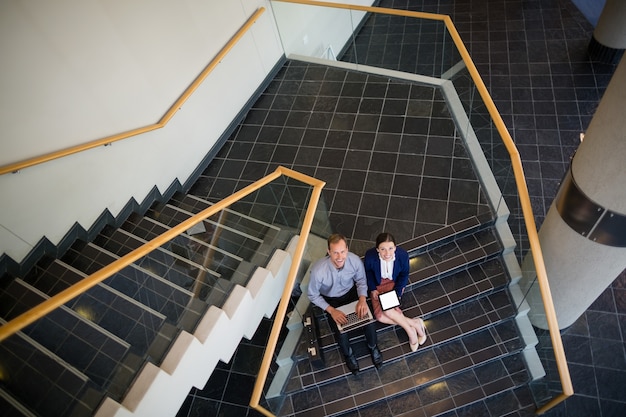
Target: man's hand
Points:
(337, 315)
(361, 307)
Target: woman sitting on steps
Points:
(387, 269)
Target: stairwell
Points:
(136, 343)
(480, 347)
(163, 323)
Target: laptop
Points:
(354, 321)
(389, 300)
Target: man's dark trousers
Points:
(342, 337)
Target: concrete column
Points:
(584, 234)
(609, 37)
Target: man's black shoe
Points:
(377, 357)
(352, 363)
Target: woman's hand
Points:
(374, 295)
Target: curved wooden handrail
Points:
(17, 166)
(529, 220)
(518, 171)
(80, 287)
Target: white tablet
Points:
(388, 300)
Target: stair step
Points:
(448, 233)
(455, 288)
(441, 369)
(437, 295)
(452, 256)
(59, 390)
(145, 329)
(228, 258)
(494, 382)
(176, 303)
(230, 240)
(273, 237)
(172, 261)
(207, 285)
(188, 205)
(460, 321)
(101, 356)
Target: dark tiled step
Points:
(442, 294)
(270, 236)
(455, 288)
(97, 354)
(146, 330)
(496, 388)
(207, 285)
(228, 239)
(177, 304)
(447, 234)
(227, 256)
(41, 383)
(187, 205)
(444, 376)
(445, 327)
(447, 258)
(172, 261)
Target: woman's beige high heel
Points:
(421, 339)
(414, 346)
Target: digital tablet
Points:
(389, 300)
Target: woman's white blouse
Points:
(386, 268)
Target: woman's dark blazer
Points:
(400, 269)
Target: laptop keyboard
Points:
(354, 321)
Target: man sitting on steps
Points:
(339, 279)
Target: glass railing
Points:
(508, 200)
(425, 48)
(106, 308)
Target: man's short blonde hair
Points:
(336, 238)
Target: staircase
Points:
(480, 348)
(162, 324)
(136, 343)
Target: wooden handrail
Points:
(518, 171)
(529, 220)
(80, 287)
(17, 166)
(285, 298)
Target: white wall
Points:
(74, 71)
(311, 30)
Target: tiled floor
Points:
(383, 171)
(532, 56)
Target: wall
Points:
(74, 71)
(311, 30)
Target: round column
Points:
(609, 37)
(583, 237)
